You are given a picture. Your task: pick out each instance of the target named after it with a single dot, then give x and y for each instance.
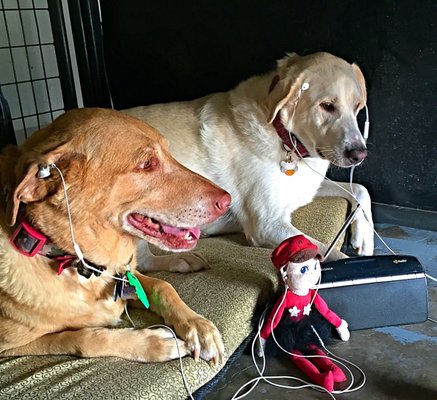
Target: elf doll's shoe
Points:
(325, 364)
(325, 380)
(337, 374)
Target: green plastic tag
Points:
(133, 280)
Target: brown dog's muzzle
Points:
(222, 204)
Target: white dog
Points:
(264, 141)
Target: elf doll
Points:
(300, 310)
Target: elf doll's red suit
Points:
(295, 312)
(298, 307)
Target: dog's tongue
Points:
(172, 230)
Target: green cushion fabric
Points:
(322, 219)
(241, 278)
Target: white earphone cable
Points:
(257, 337)
(351, 192)
(81, 258)
(349, 388)
(184, 377)
(76, 247)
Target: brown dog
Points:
(122, 185)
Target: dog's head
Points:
(323, 117)
(122, 184)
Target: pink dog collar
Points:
(27, 240)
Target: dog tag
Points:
(133, 280)
(289, 168)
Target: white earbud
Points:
(283, 272)
(305, 86)
(44, 171)
(366, 125)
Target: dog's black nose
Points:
(356, 154)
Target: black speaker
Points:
(376, 291)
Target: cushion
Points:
(240, 281)
(322, 219)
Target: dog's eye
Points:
(328, 107)
(145, 165)
(148, 164)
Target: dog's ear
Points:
(26, 191)
(361, 82)
(277, 98)
(284, 63)
(28, 187)
(281, 91)
(284, 90)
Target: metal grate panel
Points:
(29, 76)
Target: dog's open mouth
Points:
(172, 237)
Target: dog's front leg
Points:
(144, 345)
(180, 262)
(362, 238)
(200, 335)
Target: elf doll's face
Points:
(303, 276)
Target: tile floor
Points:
(400, 362)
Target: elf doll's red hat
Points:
(295, 249)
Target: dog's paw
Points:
(202, 339)
(181, 262)
(157, 345)
(362, 237)
(185, 263)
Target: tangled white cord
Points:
(334, 358)
(268, 379)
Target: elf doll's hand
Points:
(343, 331)
(260, 346)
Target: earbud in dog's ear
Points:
(305, 86)
(44, 171)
